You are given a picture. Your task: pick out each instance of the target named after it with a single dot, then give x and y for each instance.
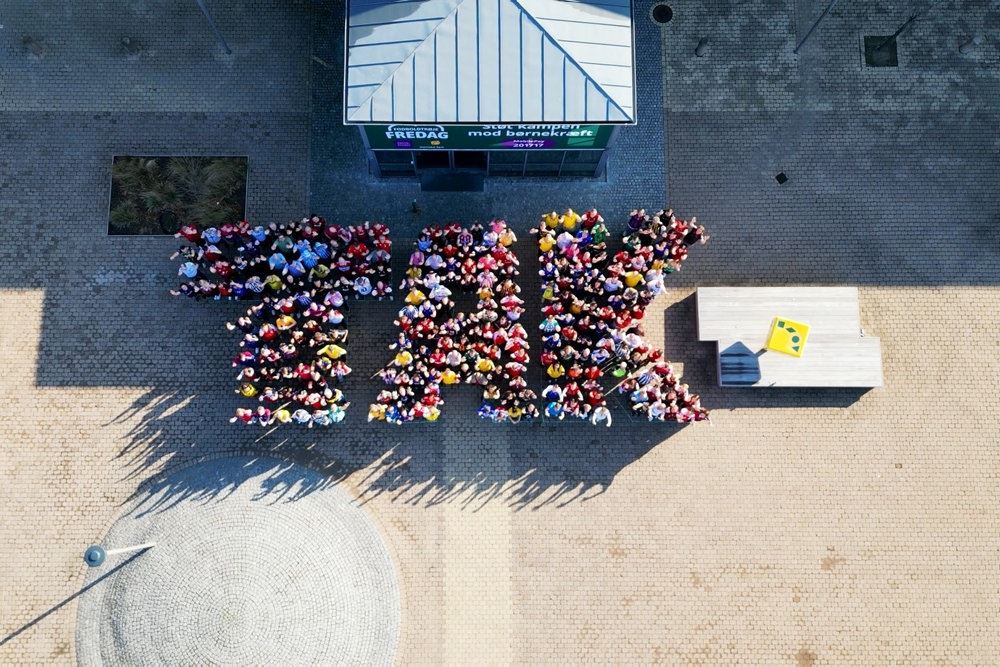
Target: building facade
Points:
(492, 87)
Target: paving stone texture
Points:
(238, 578)
(799, 527)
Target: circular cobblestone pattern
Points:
(244, 578)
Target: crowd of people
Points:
(292, 353)
(437, 346)
(593, 306)
(239, 261)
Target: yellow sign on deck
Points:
(788, 336)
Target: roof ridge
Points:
(569, 57)
(391, 74)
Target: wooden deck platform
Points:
(739, 319)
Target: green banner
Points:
(488, 137)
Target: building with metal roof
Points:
(507, 65)
(489, 61)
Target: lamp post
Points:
(95, 554)
(967, 47)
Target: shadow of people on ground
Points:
(459, 459)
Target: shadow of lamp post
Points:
(93, 556)
(815, 25)
(909, 21)
(215, 30)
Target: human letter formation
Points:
(436, 346)
(294, 345)
(302, 275)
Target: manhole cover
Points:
(662, 13)
(880, 51)
(781, 178)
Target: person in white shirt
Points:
(601, 413)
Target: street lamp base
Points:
(94, 556)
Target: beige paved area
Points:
(861, 534)
(799, 527)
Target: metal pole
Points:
(95, 555)
(821, 17)
(211, 23)
(125, 550)
(967, 47)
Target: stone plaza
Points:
(799, 526)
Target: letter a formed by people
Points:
(436, 346)
(593, 304)
(293, 349)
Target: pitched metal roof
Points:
(489, 61)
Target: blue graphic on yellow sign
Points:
(788, 336)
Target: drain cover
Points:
(880, 51)
(781, 178)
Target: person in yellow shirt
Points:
(556, 370)
(551, 220)
(333, 351)
(545, 242)
(449, 376)
(633, 278)
(404, 358)
(415, 297)
(485, 365)
(569, 219)
(376, 412)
